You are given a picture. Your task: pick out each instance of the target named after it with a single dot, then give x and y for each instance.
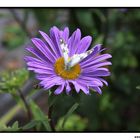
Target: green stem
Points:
(50, 110)
(29, 114)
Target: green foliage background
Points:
(117, 109)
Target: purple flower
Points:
(64, 62)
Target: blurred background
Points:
(117, 109)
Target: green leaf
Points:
(11, 81)
(14, 127)
(73, 123)
(9, 115)
(39, 115)
(71, 110)
(31, 124)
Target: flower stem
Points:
(50, 110)
(29, 114)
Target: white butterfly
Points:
(75, 59)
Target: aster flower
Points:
(66, 62)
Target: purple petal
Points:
(90, 80)
(100, 64)
(59, 89)
(55, 37)
(41, 46)
(38, 65)
(39, 55)
(51, 81)
(77, 88)
(97, 59)
(96, 49)
(50, 44)
(97, 89)
(32, 59)
(104, 81)
(73, 42)
(65, 34)
(45, 76)
(97, 73)
(83, 87)
(46, 85)
(68, 88)
(41, 71)
(83, 44)
(90, 69)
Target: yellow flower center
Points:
(71, 73)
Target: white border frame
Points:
(69, 136)
(69, 3)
